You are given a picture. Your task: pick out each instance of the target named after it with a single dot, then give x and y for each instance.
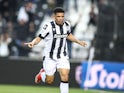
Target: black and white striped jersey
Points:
(55, 39)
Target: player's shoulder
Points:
(45, 25)
(67, 22)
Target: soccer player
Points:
(55, 55)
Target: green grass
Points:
(41, 89)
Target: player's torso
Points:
(55, 42)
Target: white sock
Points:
(43, 76)
(64, 87)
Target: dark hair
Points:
(58, 10)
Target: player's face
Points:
(59, 18)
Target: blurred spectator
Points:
(8, 9)
(13, 51)
(31, 33)
(51, 5)
(7, 43)
(93, 16)
(3, 38)
(10, 26)
(24, 13)
(24, 28)
(4, 41)
(2, 23)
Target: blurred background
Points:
(98, 22)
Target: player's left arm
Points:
(73, 39)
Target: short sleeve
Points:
(44, 31)
(68, 27)
(69, 30)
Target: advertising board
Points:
(103, 75)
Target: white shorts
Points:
(50, 65)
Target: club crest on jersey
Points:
(45, 27)
(60, 36)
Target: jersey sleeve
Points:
(68, 27)
(44, 31)
(69, 30)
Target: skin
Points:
(64, 73)
(59, 18)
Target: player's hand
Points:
(83, 43)
(30, 44)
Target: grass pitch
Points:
(42, 89)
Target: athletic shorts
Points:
(50, 65)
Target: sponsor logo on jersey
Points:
(60, 36)
(45, 27)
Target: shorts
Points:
(50, 65)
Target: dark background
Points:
(23, 72)
(110, 32)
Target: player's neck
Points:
(59, 24)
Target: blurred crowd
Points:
(20, 20)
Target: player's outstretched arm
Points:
(33, 42)
(73, 39)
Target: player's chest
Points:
(59, 32)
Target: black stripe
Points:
(61, 42)
(68, 32)
(52, 48)
(44, 36)
(43, 58)
(54, 40)
(66, 23)
(65, 53)
(67, 26)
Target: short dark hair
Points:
(58, 10)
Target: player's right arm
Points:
(35, 41)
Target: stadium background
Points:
(99, 22)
